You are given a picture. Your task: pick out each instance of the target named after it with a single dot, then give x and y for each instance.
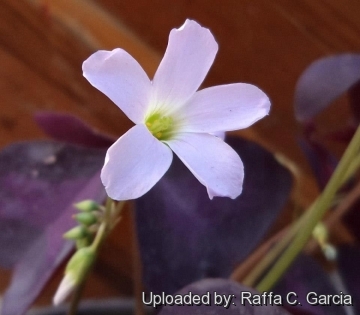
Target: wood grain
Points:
(267, 43)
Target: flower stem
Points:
(313, 215)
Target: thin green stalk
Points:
(104, 226)
(354, 166)
(316, 212)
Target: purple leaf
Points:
(70, 129)
(212, 288)
(184, 236)
(40, 182)
(306, 276)
(324, 81)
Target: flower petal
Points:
(134, 164)
(219, 134)
(224, 107)
(190, 53)
(214, 163)
(120, 78)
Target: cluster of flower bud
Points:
(89, 218)
(90, 215)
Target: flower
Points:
(169, 115)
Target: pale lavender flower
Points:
(171, 116)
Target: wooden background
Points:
(267, 43)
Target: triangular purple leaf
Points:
(39, 182)
(323, 82)
(184, 236)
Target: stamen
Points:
(159, 126)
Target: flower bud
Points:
(83, 242)
(75, 233)
(66, 286)
(87, 206)
(75, 272)
(86, 218)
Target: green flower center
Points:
(160, 126)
